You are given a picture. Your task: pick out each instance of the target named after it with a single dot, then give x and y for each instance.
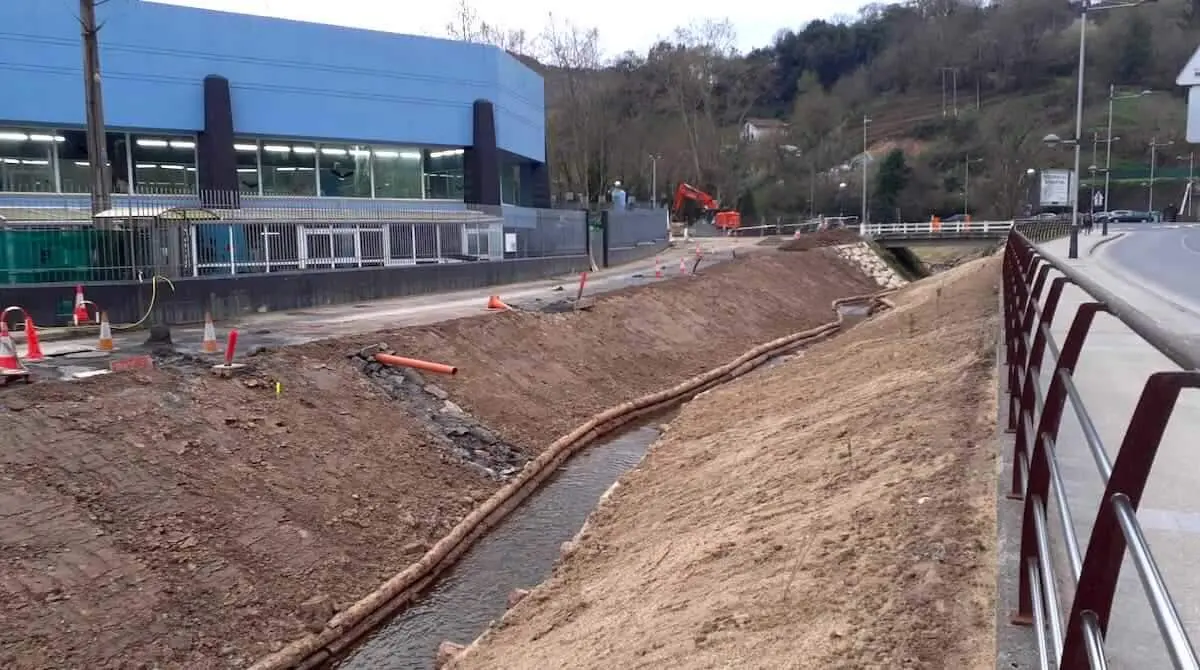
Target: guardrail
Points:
(936, 228)
(1035, 414)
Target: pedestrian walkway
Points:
(1112, 370)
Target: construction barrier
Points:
(357, 620)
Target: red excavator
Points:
(692, 204)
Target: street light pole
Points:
(1073, 246)
(654, 180)
(863, 219)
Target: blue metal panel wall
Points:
(288, 78)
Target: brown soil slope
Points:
(533, 376)
(833, 512)
(171, 519)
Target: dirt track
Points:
(843, 519)
(171, 519)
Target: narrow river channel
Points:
(518, 553)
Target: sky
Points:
(623, 24)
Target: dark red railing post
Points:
(1047, 432)
(1033, 372)
(1106, 547)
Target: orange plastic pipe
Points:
(400, 361)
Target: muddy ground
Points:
(171, 519)
(835, 511)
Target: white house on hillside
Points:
(757, 129)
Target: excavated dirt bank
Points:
(171, 519)
(835, 511)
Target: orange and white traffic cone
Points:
(9, 363)
(209, 345)
(658, 271)
(495, 304)
(682, 266)
(33, 346)
(106, 339)
(698, 254)
(80, 315)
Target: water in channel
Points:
(517, 553)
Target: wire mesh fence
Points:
(59, 239)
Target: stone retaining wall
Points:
(865, 257)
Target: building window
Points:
(165, 165)
(444, 174)
(26, 164)
(510, 182)
(247, 166)
(397, 172)
(75, 167)
(289, 168)
(345, 171)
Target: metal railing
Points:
(1035, 414)
(939, 228)
(57, 238)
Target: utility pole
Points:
(97, 147)
(865, 157)
(654, 180)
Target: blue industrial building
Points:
(273, 110)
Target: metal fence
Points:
(629, 228)
(59, 239)
(1031, 297)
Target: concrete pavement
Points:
(1112, 370)
(71, 357)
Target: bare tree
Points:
(468, 26)
(712, 90)
(577, 121)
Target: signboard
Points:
(1190, 76)
(1057, 188)
(510, 243)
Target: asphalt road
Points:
(1162, 257)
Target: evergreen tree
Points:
(891, 179)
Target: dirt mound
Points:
(823, 238)
(179, 520)
(531, 376)
(845, 517)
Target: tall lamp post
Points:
(1109, 139)
(967, 183)
(1085, 7)
(865, 157)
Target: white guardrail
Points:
(933, 229)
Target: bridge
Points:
(937, 232)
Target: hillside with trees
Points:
(958, 93)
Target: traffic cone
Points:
(8, 352)
(698, 254)
(209, 345)
(495, 304)
(682, 267)
(80, 315)
(658, 272)
(33, 346)
(106, 339)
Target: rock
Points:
(417, 547)
(515, 596)
(314, 612)
(436, 391)
(450, 408)
(566, 549)
(446, 652)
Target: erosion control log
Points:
(372, 609)
(428, 366)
